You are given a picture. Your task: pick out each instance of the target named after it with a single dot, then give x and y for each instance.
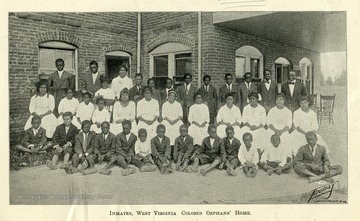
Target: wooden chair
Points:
(327, 103)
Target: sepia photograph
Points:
(167, 107)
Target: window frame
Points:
(250, 52)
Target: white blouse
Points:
(119, 83)
(121, 112)
(172, 111)
(199, 113)
(279, 118)
(306, 121)
(251, 156)
(100, 116)
(254, 116)
(229, 115)
(276, 154)
(66, 105)
(105, 93)
(148, 109)
(143, 148)
(41, 105)
(85, 112)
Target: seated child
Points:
(85, 109)
(312, 161)
(183, 149)
(68, 104)
(100, 115)
(84, 146)
(104, 148)
(211, 151)
(249, 156)
(34, 140)
(105, 92)
(161, 150)
(275, 158)
(63, 142)
(143, 159)
(232, 146)
(124, 150)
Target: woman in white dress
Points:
(42, 104)
(68, 104)
(279, 121)
(305, 120)
(254, 119)
(199, 119)
(124, 109)
(148, 113)
(172, 114)
(229, 115)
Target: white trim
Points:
(282, 60)
(118, 53)
(57, 45)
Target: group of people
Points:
(121, 123)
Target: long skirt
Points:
(150, 129)
(48, 123)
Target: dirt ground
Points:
(41, 186)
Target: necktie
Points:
(292, 83)
(187, 91)
(207, 88)
(248, 86)
(229, 88)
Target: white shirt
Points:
(251, 156)
(85, 112)
(247, 85)
(67, 129)
(100, 116)
(229, 115)
(172, 111)
(267, 84)
(36, 131)
(279, 154)
(230, 140)
(119, 83)
(94, 76)
(212, 140)
(291, 87)
(66, 105)
(105, 136)
(41, 105)
(199, 113)
(160, 139)
(254, 116)
(229, 86)
(143, 148)
(127, 113)
(60, 73)
(279, 118)
(313, 149)
(86, 135)
(127, 136)
(306, 121)
(147, 109)
(105, 93)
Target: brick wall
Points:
(93, 33)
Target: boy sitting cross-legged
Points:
(161, 150)
(232, 146)
(143, 159)
(183, 148)
(249, 156)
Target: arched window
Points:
(306, 68)
(249, 59)
(282, 67)
(49, 51)
(113, 61)
(169, 60)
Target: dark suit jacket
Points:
(268, 97)
(232, 149)
(66, 81)
(89, 146)
(217, 149)
(29, 138)
(223, 90)
(244, 92)
(103, 146)
(183, 149)
(60, 136)
(293, 102)
(125, 147)
(304, 155)
(186, 100)
(89, 86)
(161, 149)
(210, 98)
(134, 91)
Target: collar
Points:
(230, 140)
(95, 73)
(60, 72)
(267, 81)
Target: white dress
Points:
(106, 94)
(85, 112)
(99, 117)
(307, 122)
(198, 113)
(120, 113)
(251, 156)
(148, 110)
(41, 105)
(172, 111)
(255, 116)
(279, 118)
(119, 83)
(229, 115)
(67, 105)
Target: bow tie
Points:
(292, 83)
(267, 82)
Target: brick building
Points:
(170, 45)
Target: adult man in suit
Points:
(267, 90)
(59, 82)
(293, 91)
(209, 93)
(186, 94)
(229, 87)
(92, 81)
(312, 161)
(244, 90)
(136, 92)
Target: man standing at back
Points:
(293, 91)
(244, 90)
(267, 90)
(186, 94)
(92, 81)
(228, 87)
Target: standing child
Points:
(248, 156)
(210, 97)
(143, 159)
(165, 92)
(34, 140)
(68, 104)
(63, 142)
(199, 120)
(106, 93)
(245, 89)
(100, 115)
(84, 146)
(211, 151)
(232, 146)
(183, 149)
(85, 109)
(161, 150)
